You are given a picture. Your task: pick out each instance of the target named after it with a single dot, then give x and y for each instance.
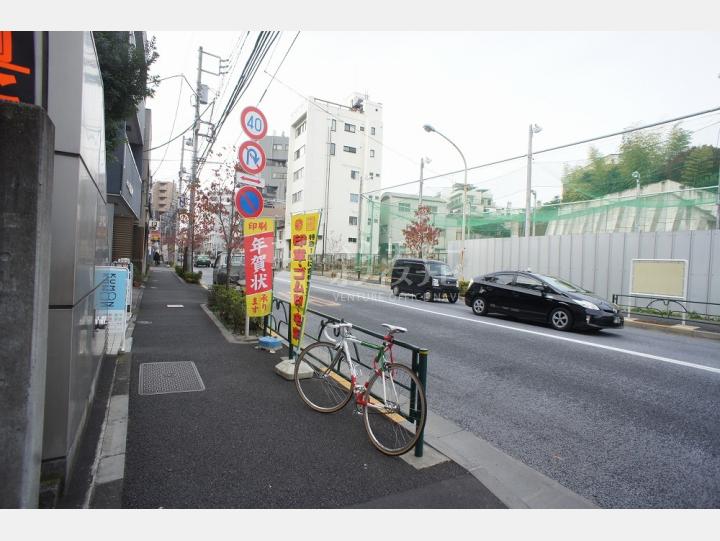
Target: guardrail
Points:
(667, 308)
(279, 323)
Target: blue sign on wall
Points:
(111, 293)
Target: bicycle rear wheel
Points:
(328, 389)
(395, 416)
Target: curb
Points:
(685, 330)
(230, 337)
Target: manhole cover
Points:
(169, 377)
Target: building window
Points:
(353, 220)
(372, 175)
(354, 174)
(433, 210)
(352, 240)
(377, 175)
(333, 125)
(354, 198)
(297, 196)
(372, 131)
(300, 129)
(351, 150)
(300, 152)
(404, 207)
(369, 221)
(332, 149)
(300, 173)
(278, 146)
(350, 127)
(279, 175)
(372, 153)
(362, 128)
(287, 146)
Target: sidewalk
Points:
(246, 440)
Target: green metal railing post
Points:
(422, 359)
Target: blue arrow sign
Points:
(253, 155)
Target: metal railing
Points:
(671, 309)
(279, 323)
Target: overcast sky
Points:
(481, 89)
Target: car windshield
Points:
(439, 269)
(562, 285)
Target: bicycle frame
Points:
(380, 364)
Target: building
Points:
(126, 186)
(336, 155)
(275, 172)
(163, 197)
(396, 211)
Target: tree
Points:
(216, 208)
(126, 80)
(420, 236)
(701, 167)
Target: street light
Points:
(428, 128)
(636, 176)
(533, 128)
(423, 161)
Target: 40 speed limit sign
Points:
(253, 123)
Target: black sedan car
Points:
(542, 298)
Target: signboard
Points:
(17, 62)
(242, 178)
(303, 237)
(111, 298)
(252, 157)
(659, 278)
(154, 235)
(249, 202)
(259, 245)
(253, 123)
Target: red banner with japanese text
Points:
(303, 237)
(259, 244)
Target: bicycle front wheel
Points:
(396, 410)
(322, 377)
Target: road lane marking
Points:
(536, 333)
(175, 306)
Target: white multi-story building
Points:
(335, 156)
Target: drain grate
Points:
(169, 377)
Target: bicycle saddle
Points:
(394, 328)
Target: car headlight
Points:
(435, 282)
(588, 305)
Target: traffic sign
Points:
(242, 178)
(253, 123)
(249, 202)
(252, 157)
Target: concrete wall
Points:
(600, 262)
(80, 240)
(26, 162)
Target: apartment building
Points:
(335, 156)
(163, 195)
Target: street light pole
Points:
(428, 128)
(636, 176)
(534, 208)
(533, 128)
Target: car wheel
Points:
(479, 306)
(452, 298)
(396, 291)
(428, 296)
(561, 319)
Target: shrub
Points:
(179, 270)
(229, 305)
(463, 285)
(192, 277)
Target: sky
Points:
(480, 88)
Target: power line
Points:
(623, 132)
(191, 126)
(278, 68)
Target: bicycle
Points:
(392, 400)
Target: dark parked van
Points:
(425, 278)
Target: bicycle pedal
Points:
(357, 410)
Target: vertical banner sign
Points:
(259, 244)
(110, 298)
(17, 62)
(303, 231)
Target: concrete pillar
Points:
(27, 142)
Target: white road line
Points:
(528, 331)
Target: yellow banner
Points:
(259, 245)
(303, 237)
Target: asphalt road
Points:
(627, 418)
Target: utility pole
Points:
(534, 128)
(193, 180)
(359, 238)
